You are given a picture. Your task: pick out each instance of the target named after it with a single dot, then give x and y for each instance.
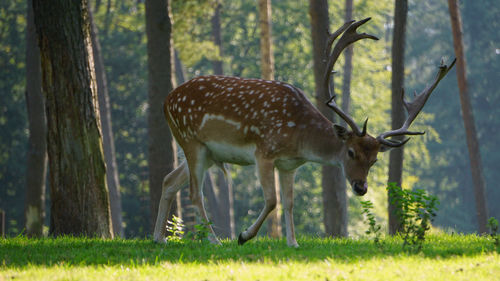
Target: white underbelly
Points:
(228, 153)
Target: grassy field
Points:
(444, 257)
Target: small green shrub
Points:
(176, 228)
(493, 226)
(415, 210)
(373, 227)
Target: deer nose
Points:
(360, 187)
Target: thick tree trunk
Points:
(397, 112)
(267, 72)
(107, 132)
(36, 167)
(468, 116)
(333, 180)
(160, 62)
(79, 195)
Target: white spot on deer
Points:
(180, 109)
(192, 102)
(230, 89)
(251, 92)
(189, 109)
(278, 124)
(255, 130)
(290, 124)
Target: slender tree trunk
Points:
(222, 200)
(333, 180)
(107, 132)
(397, 113)
(468, 116)
(348, 52)
(217, 37)
(36, 168)
(267, 72)
(160, 62)
(79, 195)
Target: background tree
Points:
(79, 195)
(398, 115)
(108, 140)
(347, 71)
(468, 118)
(222, 201)
(36, 167)
(160, 62)
(267, 72)
(332, 180)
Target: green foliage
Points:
(415, 211)
(493, 226)
(176, 228)
(374, 228)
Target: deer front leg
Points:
(171, 185)
(265, 169)
(286, 183)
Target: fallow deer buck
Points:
(219, 119)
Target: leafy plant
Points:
(415, 210)
(374, 228)
(200, 233)
(493, 226)
(176, 228)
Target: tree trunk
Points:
(79, 195)
(217, 37)
(346, 81)
(107, 132)
(397, 112)
(333, 180)
(467, 114)
(36, 167)
(160, 62)
(267, 72)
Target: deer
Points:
(272, 125)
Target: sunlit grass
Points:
(444, 257)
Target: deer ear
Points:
(341, 132)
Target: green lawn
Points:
(444, 257)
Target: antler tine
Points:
(349, 36)
(333, 105)
(413, 108)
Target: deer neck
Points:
(322, 145)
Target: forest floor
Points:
(443, 257)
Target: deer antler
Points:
(349, 36)
(413, 108)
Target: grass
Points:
(444, 257)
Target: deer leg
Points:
(286, 183)
(197, 167)
(265, 169)
(172, 183)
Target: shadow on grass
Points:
(22, 252)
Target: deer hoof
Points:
(241, 240)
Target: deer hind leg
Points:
(172, 183)
(265, 169)
(286, 183)
(198, 163)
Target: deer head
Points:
(361, 148)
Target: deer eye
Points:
(350, 152)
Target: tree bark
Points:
(36, 168)
(468, 117)
(397, 112)
(346, 81)
(79, 195)
(222, 200)
(267, 72)
(107, 132)
(333, 180)
(160, 62)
